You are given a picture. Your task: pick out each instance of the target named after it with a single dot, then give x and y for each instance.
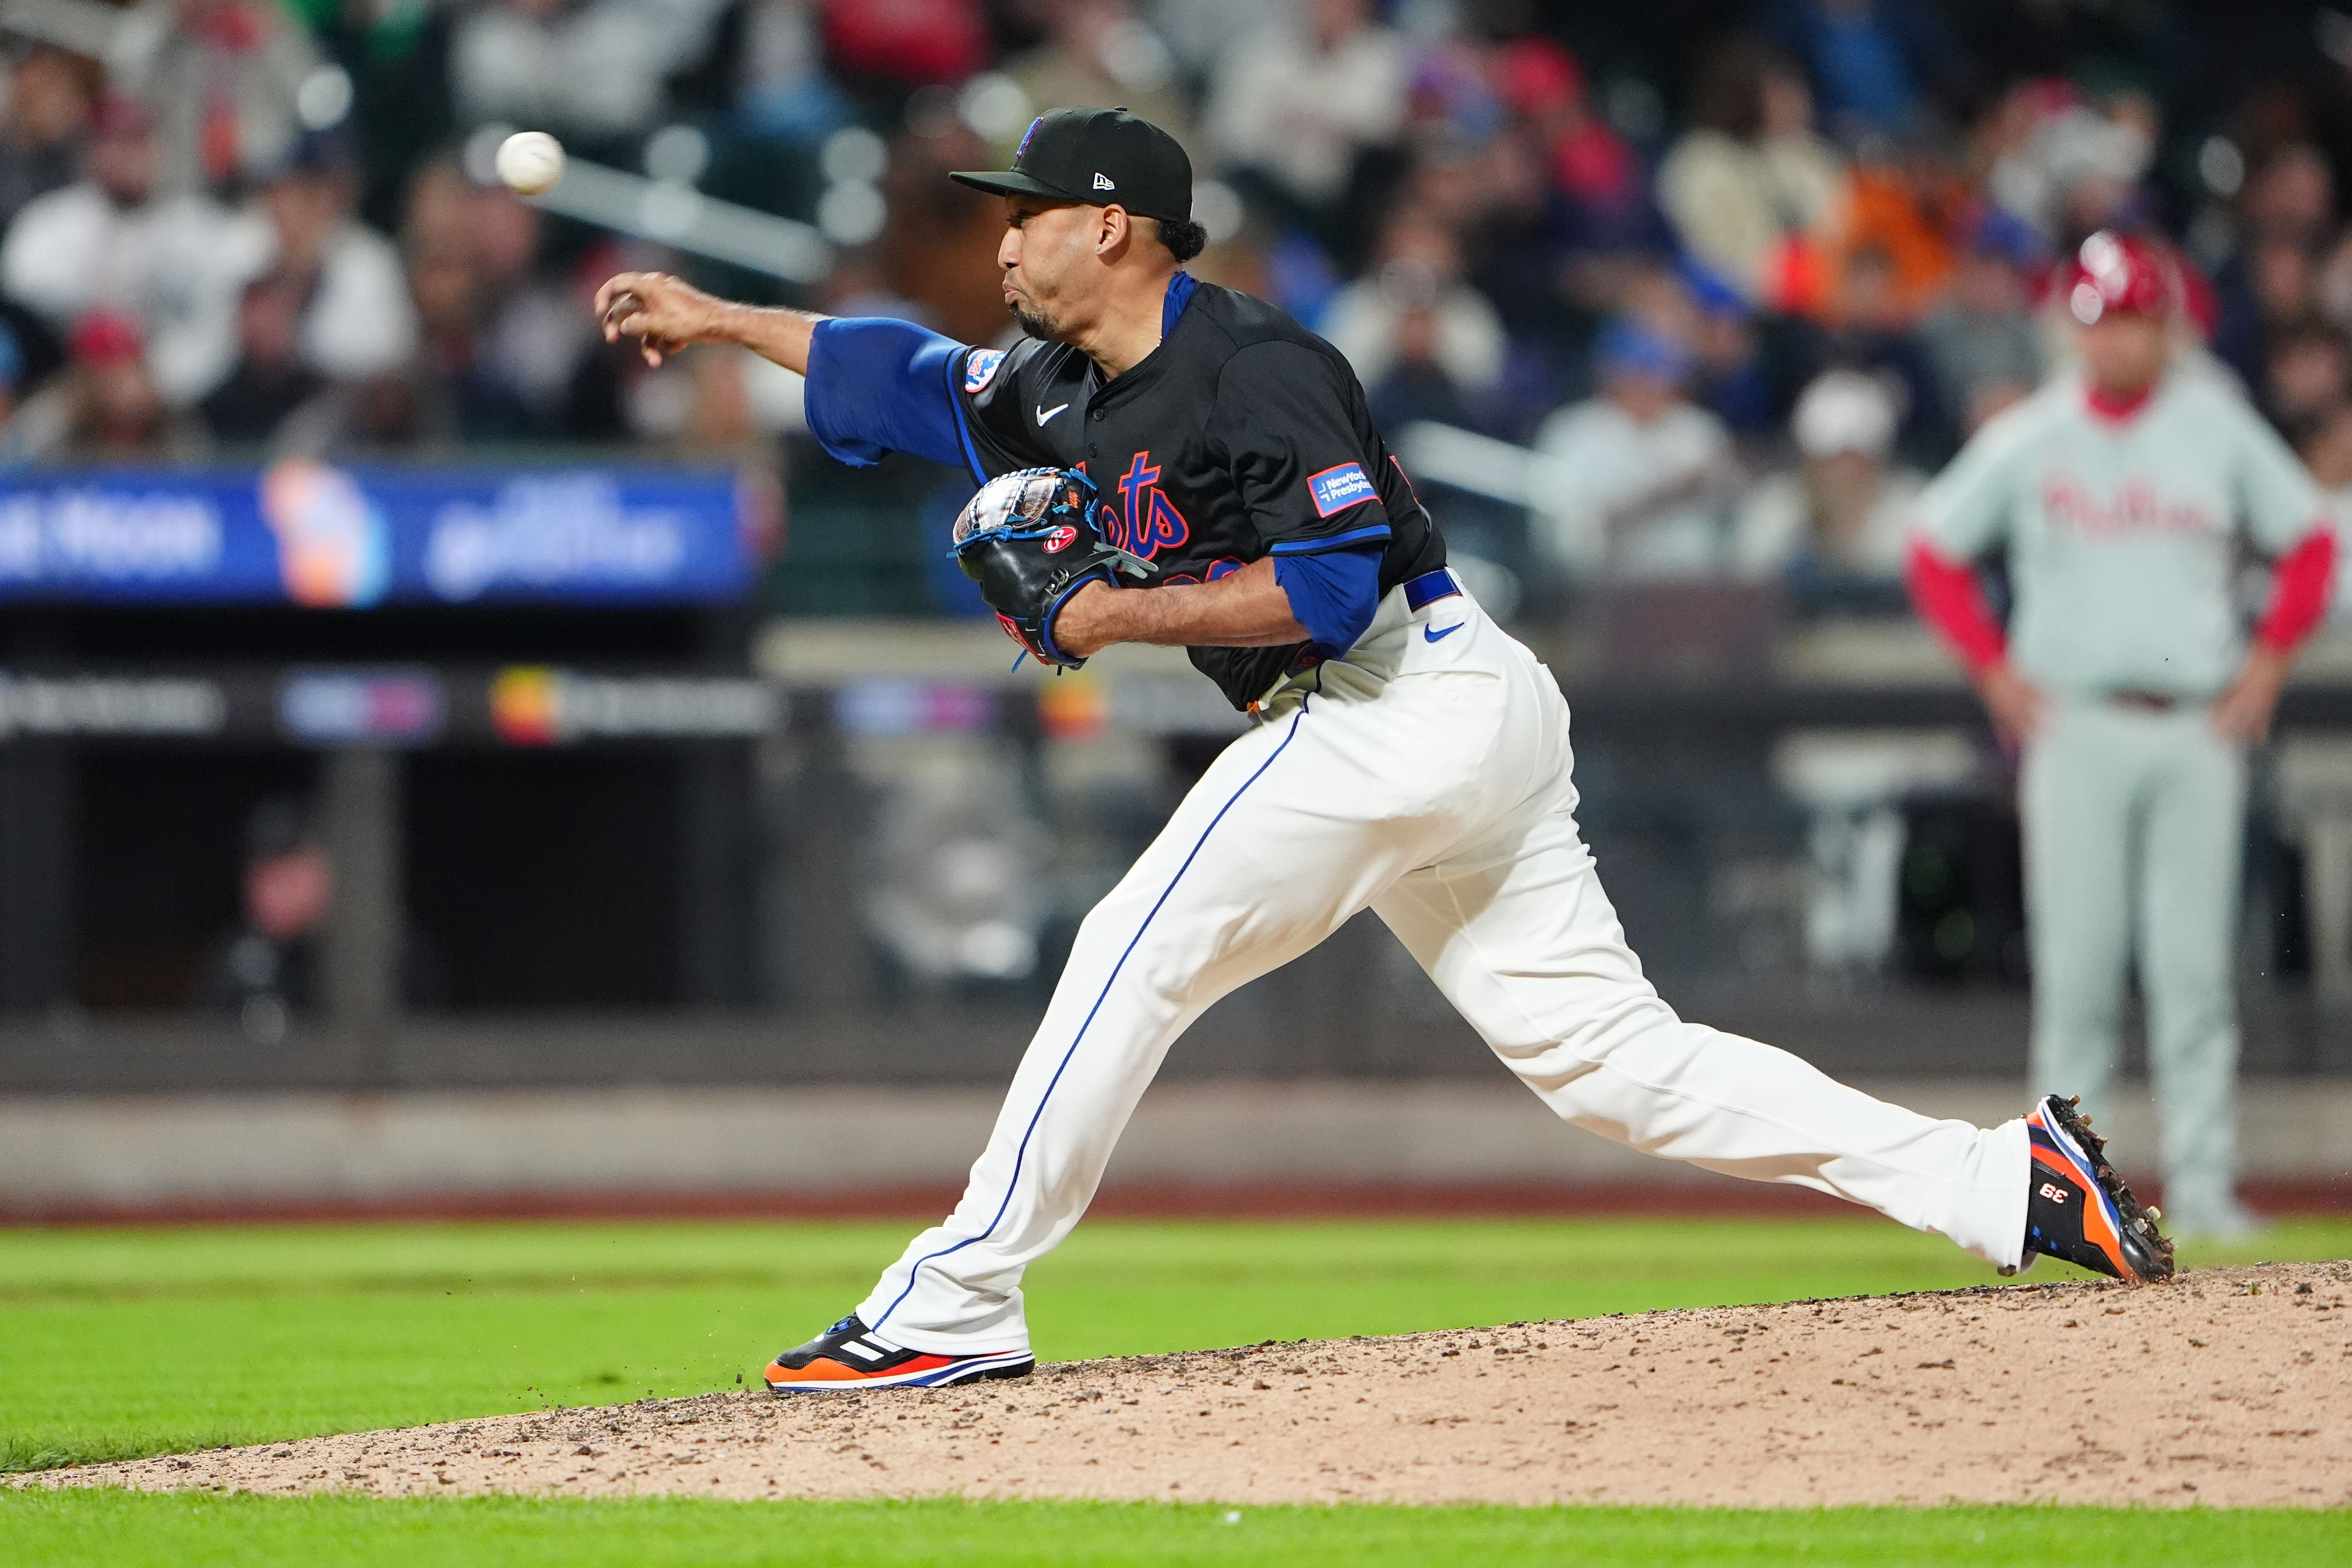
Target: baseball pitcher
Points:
(1172, 462)
(2123, 499)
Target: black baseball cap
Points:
(1102, 157)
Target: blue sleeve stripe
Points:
(963, 427)
(877, 386)
(1353, 537)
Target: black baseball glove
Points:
(1029, 539)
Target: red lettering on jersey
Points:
(2138, 508)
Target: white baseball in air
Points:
(531, 162)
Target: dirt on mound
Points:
(2225, 1388)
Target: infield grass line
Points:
(129, 1530)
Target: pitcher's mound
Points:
(2225, 1388)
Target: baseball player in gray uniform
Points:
(1165, 461)
(2123, 499)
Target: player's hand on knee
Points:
(662, 312)
(2244, 712)
(2018, 706)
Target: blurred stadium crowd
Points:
(1670, 307)
(1737, 272)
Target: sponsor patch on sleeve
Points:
(980, 370)
(1336, 489)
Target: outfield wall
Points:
(520, 1150)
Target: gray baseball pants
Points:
(2134, 824)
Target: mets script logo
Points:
(980, 369)
(1145, 522)
(1059, 540)
(1336, 489)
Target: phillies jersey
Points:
(2124, 533)
(1241, 435)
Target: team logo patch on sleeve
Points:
(980, 370)
(1336, 489)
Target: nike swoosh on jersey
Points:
(1044, 413)
(1433, 634)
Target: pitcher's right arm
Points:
(665, 314)
(876, 385)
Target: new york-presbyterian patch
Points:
(1336, 489)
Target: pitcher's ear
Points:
(1113, 225)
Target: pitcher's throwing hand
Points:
(663, 313)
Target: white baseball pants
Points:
(1426, 776)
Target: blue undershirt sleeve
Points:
(877, 386)
(1333, 594)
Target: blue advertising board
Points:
(309, 533)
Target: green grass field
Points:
(116, 1527)
(115, 1344)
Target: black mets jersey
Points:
(1241, 435)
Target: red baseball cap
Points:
(1534, 75)
(103, 337)
(2113, 275)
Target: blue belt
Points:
(1421, 592)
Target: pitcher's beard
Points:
(1033, 324)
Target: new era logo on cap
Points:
(1100, 156)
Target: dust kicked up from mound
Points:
(2226, 1387)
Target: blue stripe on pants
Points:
(1022, 1154)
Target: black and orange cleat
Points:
(2079, 1209)
(848, 1356)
